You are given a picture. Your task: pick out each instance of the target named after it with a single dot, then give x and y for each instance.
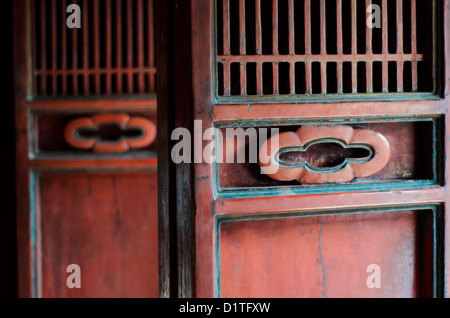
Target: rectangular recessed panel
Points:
(412, 157)
(49, 136)
(328, 256)
(308, 48)
(106, 223)
(112, 53)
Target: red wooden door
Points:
(362, 126)
(86, 150)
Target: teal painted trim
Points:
(325, 99)
(323, 121)
(324, 189)
(438, 261)
(33, 235)
(217, 222)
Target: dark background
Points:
(8, 255)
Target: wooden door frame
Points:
(175, 194)
(22, 64)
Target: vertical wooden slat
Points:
(339, 27)
(323, 47)
(369, 64)
(354, 77)
(243, 78)
(308, 78)
(384, 27)
(400, 65)
(108, 47)
(258, 35)
(307, 27)
(258, 44)
(399, 26)
(292, 78)
(354, 27)
(323, 28)
(259, 78)
(413, 45)
(85, 47)
(384, 72)
(368, 30)
(369, 76)
(242, 38)
(34, 48)
(96, 44)
(242, 48)
(308, 75)
(54, 42)
(291, 30)
(275, 77)
(151, 43)
(354, 46)
(384, 15)
(226, 46)
(226, 79)
(63, 50)
(118, 47)
(226, 27)
(339, 46)
(399, 45)
(323, 77)
(74, 34)
(129, 15)
(140, 44)
(275, 27)
(340, 86)
(43, 49)
(291, 27)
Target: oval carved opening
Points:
(325, 155)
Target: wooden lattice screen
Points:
(111, 54)
(317, 47)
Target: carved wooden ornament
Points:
(270, 163)
(145, 138)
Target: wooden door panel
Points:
(85, 135)
(103, 222)
(327, 256)
(289, 64)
